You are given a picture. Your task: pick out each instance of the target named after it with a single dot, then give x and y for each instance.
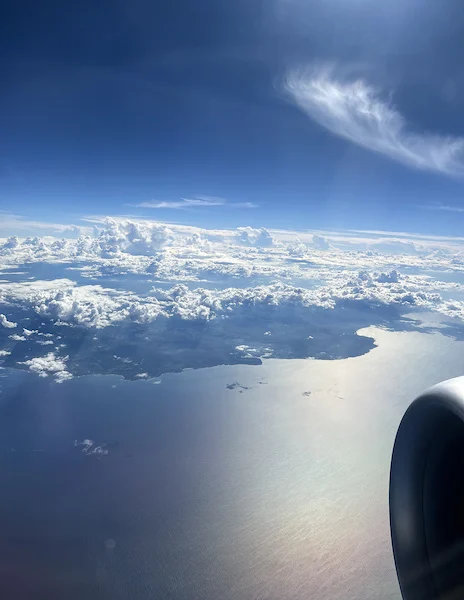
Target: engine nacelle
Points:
(427, 495)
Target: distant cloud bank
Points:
(141, 298)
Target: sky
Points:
(331, 114)
(214, 182)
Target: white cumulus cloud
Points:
(140, 297)
(356, 111)
(47, 365)
(5, 323)
(255, 237)
(320, 242)
(29, 332)
(17, 338)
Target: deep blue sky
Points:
(110, 103)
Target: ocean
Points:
(239, 482)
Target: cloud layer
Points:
(139, 298)
(355, 110)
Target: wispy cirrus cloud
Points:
(443, 207)
(196, 202)
(356, 111)
(18, 225)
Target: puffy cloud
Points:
(5, 323)
(89, 306)
(171, 329)
(320, 242)
(198, 241)
(182, 253)
(131, 237)
(391, 277)
(115, 237)
(260, 238)
(47, 365)
(11, 243)
(390, 290)
(17, 338)
(182, 297)
(62, 376)
(297, 248)
(4, 353)
(35, 242)
(29, 332)
(97, 306)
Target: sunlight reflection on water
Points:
(210, 490)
